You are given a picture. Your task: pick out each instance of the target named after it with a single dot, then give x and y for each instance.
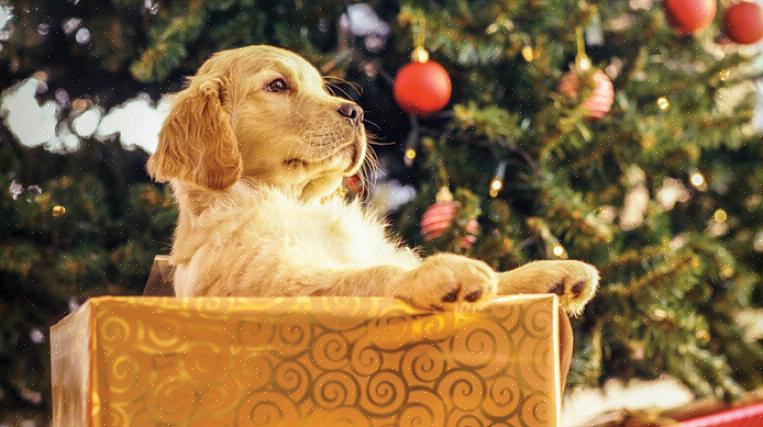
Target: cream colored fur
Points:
(254, 167)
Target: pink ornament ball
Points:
(439, 217)
(599, 102)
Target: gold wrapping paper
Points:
(152, 361)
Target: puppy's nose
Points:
(352, 111)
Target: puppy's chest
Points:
(331, 228)
(334, 232)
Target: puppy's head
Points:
(261, 113)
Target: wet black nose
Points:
(352, 111)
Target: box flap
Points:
(159, 281)
(71, 348)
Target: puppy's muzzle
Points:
(352, 112)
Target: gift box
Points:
(747, 411)
(741, 416)
(337, 361)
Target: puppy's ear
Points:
(197, 143)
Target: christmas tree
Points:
(611, 132)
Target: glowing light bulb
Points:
(496, 184)
(697, 180)
(662, 103)
(720, 215)
(558, 250)
(58, 210)
(410, 154)
(527, 53)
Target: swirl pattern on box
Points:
(309, 361)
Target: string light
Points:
(527, 53)
(698, 180)
(409, 155)
(496, 184)
(720, 215)
(558, 250)
(58, 211)
(662, 103)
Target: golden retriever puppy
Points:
(255, 148)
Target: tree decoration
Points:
(663, 103)
(411, 141)
(553, 247)
(439, 217)
(496, 184)
(698, 180)
(527, 53)
(744, 22)
(600, 101)
(422, 86)
(690, 16)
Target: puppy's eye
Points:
(277, 85)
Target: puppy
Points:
(254, 149)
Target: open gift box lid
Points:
(159, 282)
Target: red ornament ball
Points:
(690, 16)
(599, 102)
(438, 218)
(422, 88)
(744, 22)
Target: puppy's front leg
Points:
(443, 281)
(575, 282)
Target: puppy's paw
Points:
(575, 282)
(449, 282)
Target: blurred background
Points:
(624, 133)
